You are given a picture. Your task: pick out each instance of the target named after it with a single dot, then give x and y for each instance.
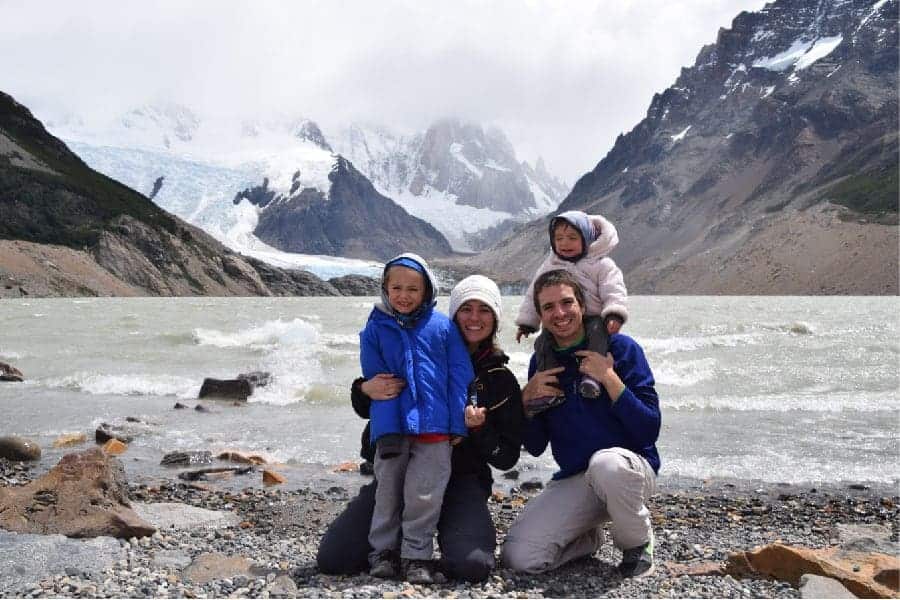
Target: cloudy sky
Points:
(562, 79)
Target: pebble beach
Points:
(261, 542)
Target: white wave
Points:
(691, 343)
(814, 402)
(8, 355)
(128, 384)
(684, 374)
(269, 335)
(338, 339)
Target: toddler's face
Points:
(567, 241)
(405, 289)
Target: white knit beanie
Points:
(476, 287)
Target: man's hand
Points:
(600, 367)
(541, 385)
(383, 386)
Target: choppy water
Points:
(781, 389)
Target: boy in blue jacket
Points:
(412, 432)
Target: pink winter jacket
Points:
(599, 276)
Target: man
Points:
(605, 446)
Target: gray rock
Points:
(26, 558)
(171, 559)
(228, 389)
(177, 459)
(816, 586)
(19, 448)
(174, 515)
(866, 538)
(283, 587)
(10, 373)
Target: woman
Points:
(466, 533)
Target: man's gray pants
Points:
(565, 521)
(408, 498)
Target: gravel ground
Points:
(279, 531)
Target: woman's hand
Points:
(475, 416)
(383, 386)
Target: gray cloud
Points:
(563, 79)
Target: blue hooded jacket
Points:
(581, 426)
(429, 354)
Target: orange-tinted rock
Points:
(114, 447)
(861, 573)
(85, 495)
(346, 467)
(273, 478)
(69, 439)
(702, 569)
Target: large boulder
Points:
(19, 448)
(225, 389)
(865, 574)
(10, 373)
(85, 495)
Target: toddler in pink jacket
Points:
(580, 243)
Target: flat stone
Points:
(174, 515)
(171, 559)
(213, 566)
(816, 586)
(283, 587)
(19, 448)
(26, 558)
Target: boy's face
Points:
(567, 241)
(405, 289)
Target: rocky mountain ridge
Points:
(769, 166)
(460, 177)
(68, 230)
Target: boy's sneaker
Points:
(384, 565)
(638, 561)
(589, 388)
(539, 405)
(418, 571)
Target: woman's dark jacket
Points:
(498, 441)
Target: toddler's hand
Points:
(613, 325)
(523, 332)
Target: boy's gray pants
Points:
(408, 498)
(564, 522)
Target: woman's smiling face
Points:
(476, 322)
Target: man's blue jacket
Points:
(580, 426)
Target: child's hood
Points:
(429, 301)
(597, 231)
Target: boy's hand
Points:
(475, 416)
(384, 386)
(613, 325)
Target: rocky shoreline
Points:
(261, 542)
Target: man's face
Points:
(561, 314)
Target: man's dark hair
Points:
(556, 277)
